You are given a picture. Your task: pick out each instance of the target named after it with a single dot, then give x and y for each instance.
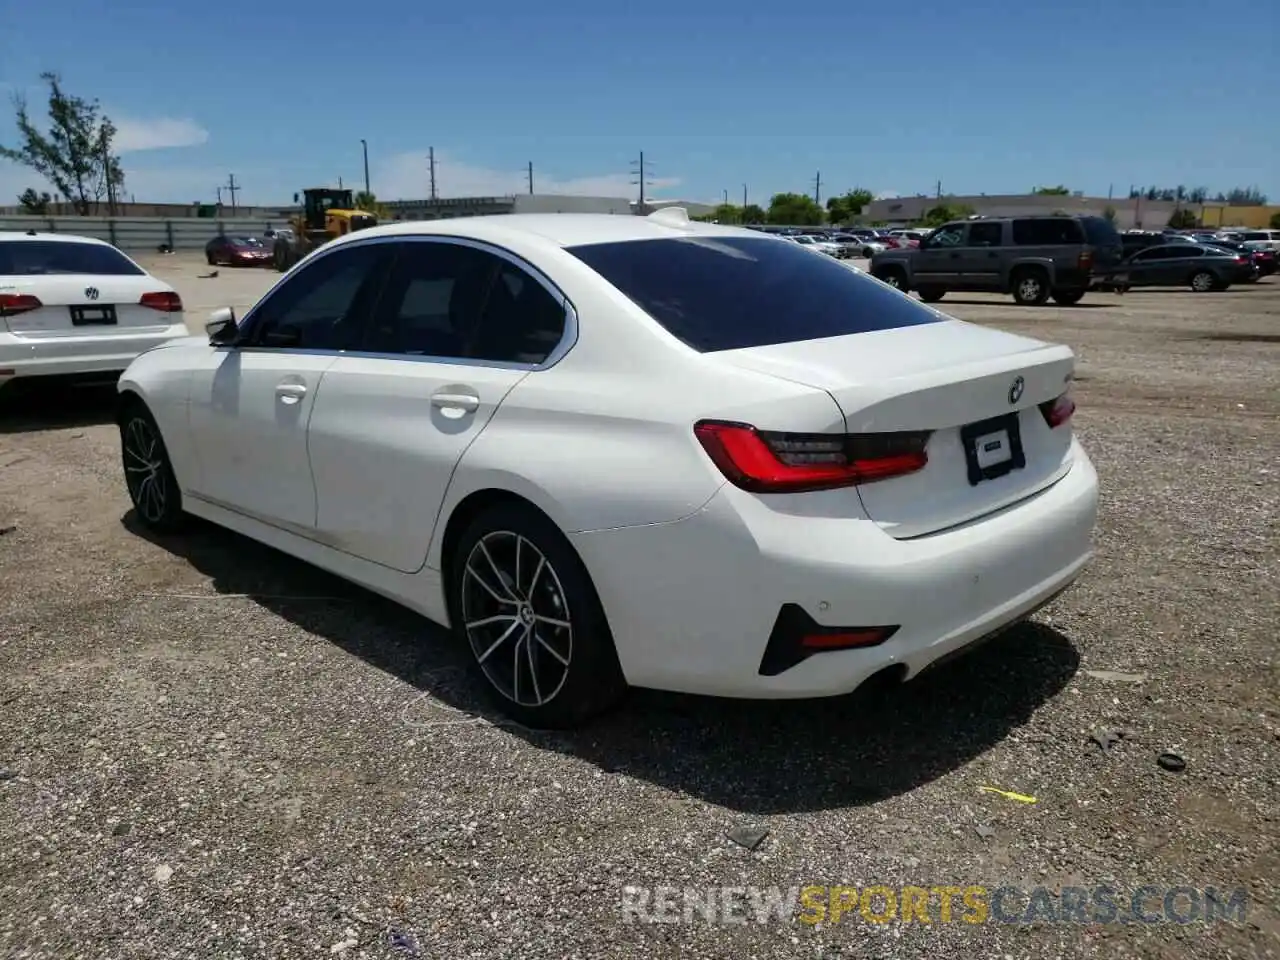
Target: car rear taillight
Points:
(770, 462)
(1059, 410)
(1242, 259)
(1086, 260)
(166, 301)
(12, 304)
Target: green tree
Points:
(74, 156)
(369, 203)
(794, 208)
(1182, 219)
(1275, 220)
(727, 213)
(1058, 191)
(946, 212)
(844, 208)
(37, 203)
(754, 213)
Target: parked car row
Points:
(1062, 257)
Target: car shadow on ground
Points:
(756, 757)
(30, 405)
(1047, 305)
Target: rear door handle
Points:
(291, 393)
(467, 402)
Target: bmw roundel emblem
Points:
(91, 293)
(1015, 391)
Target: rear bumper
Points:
(71, 355)
(707, 633)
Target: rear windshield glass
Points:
(727, 293)
(29, 258)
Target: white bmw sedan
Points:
(613, 451)
(74, 305)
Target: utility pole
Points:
(106, 175)
(817, 188)
(232, 187)
(726, 196)
(744, 196)
(339, 183)
(219, 196)
(431, 168)
(531, 178)
(938, 195)
(642, 169)
(364, 145)
(1110, 187)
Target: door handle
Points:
(467, 402)
(290, 393)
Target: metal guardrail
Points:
(144, 234)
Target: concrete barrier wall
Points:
(143, 234)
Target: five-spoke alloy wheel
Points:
(521, 599)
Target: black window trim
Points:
(567, 340)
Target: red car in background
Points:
(238, 252)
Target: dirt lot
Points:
(210, 750)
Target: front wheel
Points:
(523, 603)
(1067, 298)
(148, 473)
(931, 294)
(893, 278)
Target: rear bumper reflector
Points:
(797, 636)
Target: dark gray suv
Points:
(1033, 258)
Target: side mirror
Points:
(221, 326)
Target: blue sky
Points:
(893, 95)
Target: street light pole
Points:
(365, 147)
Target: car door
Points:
(1144, 267)
(458, 325)
(251, 400)
(980, 256)
(937, 261)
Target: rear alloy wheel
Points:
(148, 474)
(522, 601)
(1067, 298)
(1203, 282)
(1030, 288)
(931, 294)
(894, 279)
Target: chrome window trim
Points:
(568, 338)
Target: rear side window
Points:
(33, 258)
(1047, 232)
(729, 293)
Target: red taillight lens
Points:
(768, 462)
(1058, 411)
(15, 303)
(1086, 260)
(166, 301)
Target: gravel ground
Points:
(210, 750)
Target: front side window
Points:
(952, 235)
(323, 306)
(732, 292)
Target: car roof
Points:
(558, 229)
(15, 236)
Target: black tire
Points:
(573, 652)
(1067, 298)
(894, 278)
(209, 256)
(148, 473)
(281, 258)
(1030, 287)
(1203, 281)
(931, 294)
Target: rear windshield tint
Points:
(727, 293)
(30, 258)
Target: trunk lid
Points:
(80, 305)
(979, 390)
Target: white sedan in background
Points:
(78, 306)
(614, 451)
